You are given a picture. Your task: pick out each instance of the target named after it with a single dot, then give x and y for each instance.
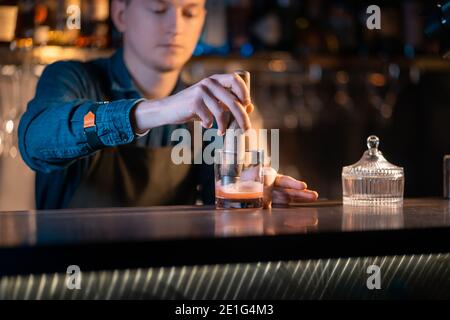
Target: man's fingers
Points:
(230, 101)
(288, 182)
(305, 196)
(279, 197)
(291, 195)
(270, 175)
(205, 116)
(219, 111)
(236, 84)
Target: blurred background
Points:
(318, 74)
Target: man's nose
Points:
(174, 22)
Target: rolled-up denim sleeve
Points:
(51, 134)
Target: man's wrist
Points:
(147, 114)
(136, 118)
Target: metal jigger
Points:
(234, 145)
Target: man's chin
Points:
(168, 66)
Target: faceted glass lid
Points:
(373, 163)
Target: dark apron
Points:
(132, 175)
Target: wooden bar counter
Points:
(118, 238)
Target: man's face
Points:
(163, 33)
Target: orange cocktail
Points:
(240, 190)
(239, 181)
(241, 194)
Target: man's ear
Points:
(118, 8)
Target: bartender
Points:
(98, 133)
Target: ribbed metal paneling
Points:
(410, 276)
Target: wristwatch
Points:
(90, 128)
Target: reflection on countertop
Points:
(365, 218)
(231, 223)
(104, 225)
(17, 229)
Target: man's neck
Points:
(152, 83)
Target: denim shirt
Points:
(51, 136)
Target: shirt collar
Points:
(121, 79)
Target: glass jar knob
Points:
(372, 144)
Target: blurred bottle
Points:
(214, 39)
(370, 39)
(45, 22)
(69, 20)
(391, 31)
(95, 27)
(341, 35)
(309, 35)
(8, 20)
(25, 25)
(431, 18)
(238, 21)
(388, 40)
(287, 11)
(55, 22)
(413, 28)
(447, 177)
(266, 26)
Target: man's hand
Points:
(212, 98)
(280, 189)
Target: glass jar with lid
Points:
(372, 180)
